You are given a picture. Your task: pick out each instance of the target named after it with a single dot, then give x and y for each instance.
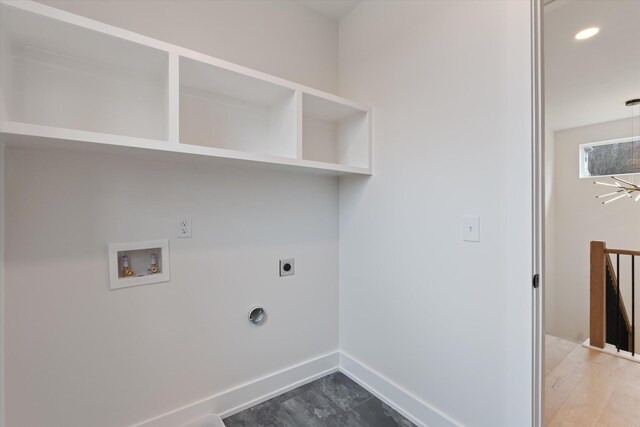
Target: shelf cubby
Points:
(221, 108)
(60, 75)
(335, 132)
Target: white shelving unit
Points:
(66, 80)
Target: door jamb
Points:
(538, 203)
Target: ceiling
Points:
(334, 9)
(588, 81)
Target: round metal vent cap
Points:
(257, 315)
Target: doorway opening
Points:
(592, 232)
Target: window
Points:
(617, 157)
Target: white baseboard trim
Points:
(246, 395)
(413, 408)
(611, 349)
(254, 392)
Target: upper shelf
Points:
(223, 109)
(64, 77)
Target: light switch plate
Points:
(471, 228)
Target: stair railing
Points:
(608, 318)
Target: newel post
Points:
(597, 295)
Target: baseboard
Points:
(613, 351)
(246, 395)
(413, 408)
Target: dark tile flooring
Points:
(331, 401)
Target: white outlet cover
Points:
(183, 227)
(471, 228)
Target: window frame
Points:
(583, 170)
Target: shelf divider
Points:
(173, 99)
(299, 116)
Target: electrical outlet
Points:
(183, 227)
(287, 267)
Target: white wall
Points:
(279, 37)
(81, 355)
(579, 219)
(447, 320)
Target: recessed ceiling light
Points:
(587, 33)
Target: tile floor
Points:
(588, 388)
(331, 401)
(582, 388)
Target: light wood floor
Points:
(589, 388)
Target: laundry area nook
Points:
(259, 213)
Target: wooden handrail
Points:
(622, 252)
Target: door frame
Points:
(538, 204)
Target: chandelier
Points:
(624, 189)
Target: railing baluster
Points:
(604, 283)
(618, 311)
